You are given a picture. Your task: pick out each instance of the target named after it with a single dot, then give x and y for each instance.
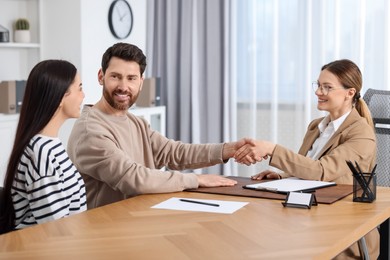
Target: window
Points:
(279, 49)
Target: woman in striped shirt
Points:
(41, 182)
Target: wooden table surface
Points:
(264, 229)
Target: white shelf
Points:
(20, 57)
(19, 45)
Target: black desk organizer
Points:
(364, 184)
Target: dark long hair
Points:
(46, 85)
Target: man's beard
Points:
(119, 105)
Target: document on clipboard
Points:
(289, 184)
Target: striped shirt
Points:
(47, 185)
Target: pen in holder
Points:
(364, 184)
(364, 187)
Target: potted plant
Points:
(22, 30)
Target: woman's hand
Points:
(266, 175)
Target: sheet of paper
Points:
(290, 184)
(225, 207)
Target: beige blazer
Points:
(354, 140)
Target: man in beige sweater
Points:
(117, 153)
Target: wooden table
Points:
(264, 229)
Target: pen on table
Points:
(200, 202)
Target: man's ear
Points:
(100, 77)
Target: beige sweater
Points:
(119, 157)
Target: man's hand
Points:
(254, 151)
(211, 180)
(229, 149)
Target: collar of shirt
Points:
(335, 124)
(327, 129)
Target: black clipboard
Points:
(293, 184)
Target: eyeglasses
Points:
(323, 88)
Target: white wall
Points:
(74, 30)
(96, 38)
(78, 31)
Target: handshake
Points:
(248, 151)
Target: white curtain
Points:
(279, 50)
(237, 68)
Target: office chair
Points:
(378, 102)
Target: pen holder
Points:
(364, 187)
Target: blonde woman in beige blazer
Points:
(346, 133)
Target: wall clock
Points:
(120, 19)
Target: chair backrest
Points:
(378, 102)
